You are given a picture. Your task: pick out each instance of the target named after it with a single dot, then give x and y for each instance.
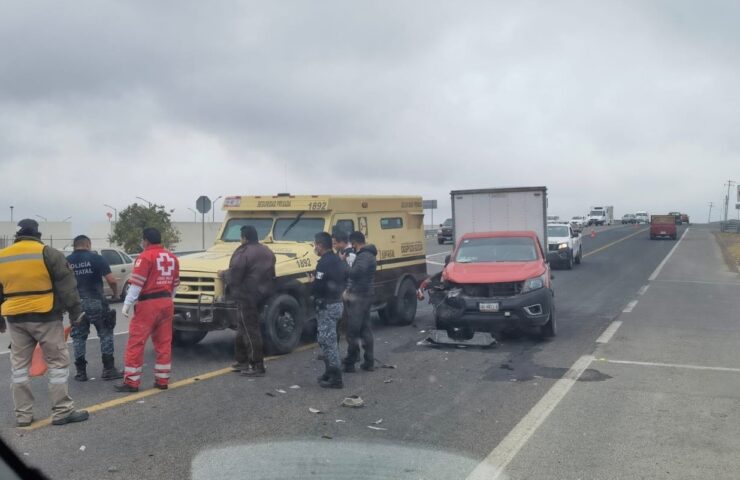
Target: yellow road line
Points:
(154, 391)
(601, 249)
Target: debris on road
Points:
(294, 387)
(339, 420)
(327, 436)
(141, 401)
(388, 380)
(83, 448)
(376, 428)
(353, 401)
(314, 410)
(378, 421)
(112, 470)
(385, 365)
(269, 394)
(280, 390)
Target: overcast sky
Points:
(633, 104)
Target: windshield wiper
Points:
(293, 224)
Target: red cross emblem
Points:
(165, 265)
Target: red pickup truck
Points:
(662, 226)
(495, 279)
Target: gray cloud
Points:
(633, 104)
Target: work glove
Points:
(126, 309)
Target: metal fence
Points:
(731, 226)
(60, 243)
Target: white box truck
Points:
(601, 216)
(500, 209)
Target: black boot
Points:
(81, 366)
(334, 380)
(109, 369)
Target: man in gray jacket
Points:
(250, 281)
(359, 296)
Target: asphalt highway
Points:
(527, 408)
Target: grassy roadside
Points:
(730, 243)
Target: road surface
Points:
(639, 383)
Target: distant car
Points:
(563, 245)
(121, 265)
(445, 232)
(628, 218)
(677, 216)
(685, 218)
(642, 217)
(578, 222)
(662, 226)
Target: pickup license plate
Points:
(662, 233)
(488, 307)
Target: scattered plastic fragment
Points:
(295, 387)
(376, 428)
(378, 421)
(83, 448)
(353, 401)
(280, 390)
(385, 365)
(314, 410)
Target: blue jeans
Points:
(95, 314)
(327, 319)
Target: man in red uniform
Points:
(153, 282)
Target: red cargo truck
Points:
(662, 226)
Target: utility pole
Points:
(727, 199)
(709, 220)
(11, 213)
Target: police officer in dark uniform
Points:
(326, 289)
(90, 269)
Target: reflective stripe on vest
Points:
(26, 282)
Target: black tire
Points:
(579, 257)
(401, 309)
(186, 338)
(569, 262)
(282, 324)
(124, 292)
(440, 241)
(673, 237)
(550, 329)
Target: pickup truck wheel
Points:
(185, 338)
(282, 324)
(550, 329)
(440, 241)
(401, 309)
(579, 257)
(569, 262)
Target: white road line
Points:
(435, 263)
(665, 260)
(492, 467)
(69, 342)
(609, 332)
(700, 282)
(671, 365)
(630, 306)
(643, 290)
(440, 253)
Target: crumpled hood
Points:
(493, 272)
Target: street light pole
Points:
(115, 212)
(43, 218)
(214, 208)
(145, 200)
(11, 213)
(709, 220)
(195, 214)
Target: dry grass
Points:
(731, 243)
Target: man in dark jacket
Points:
(359, 296)
(250, 281)
(36, 287)
(326, 288)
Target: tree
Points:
(135, 218)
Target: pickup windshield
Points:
(504, 249)
(557, 231)
(597, 213)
